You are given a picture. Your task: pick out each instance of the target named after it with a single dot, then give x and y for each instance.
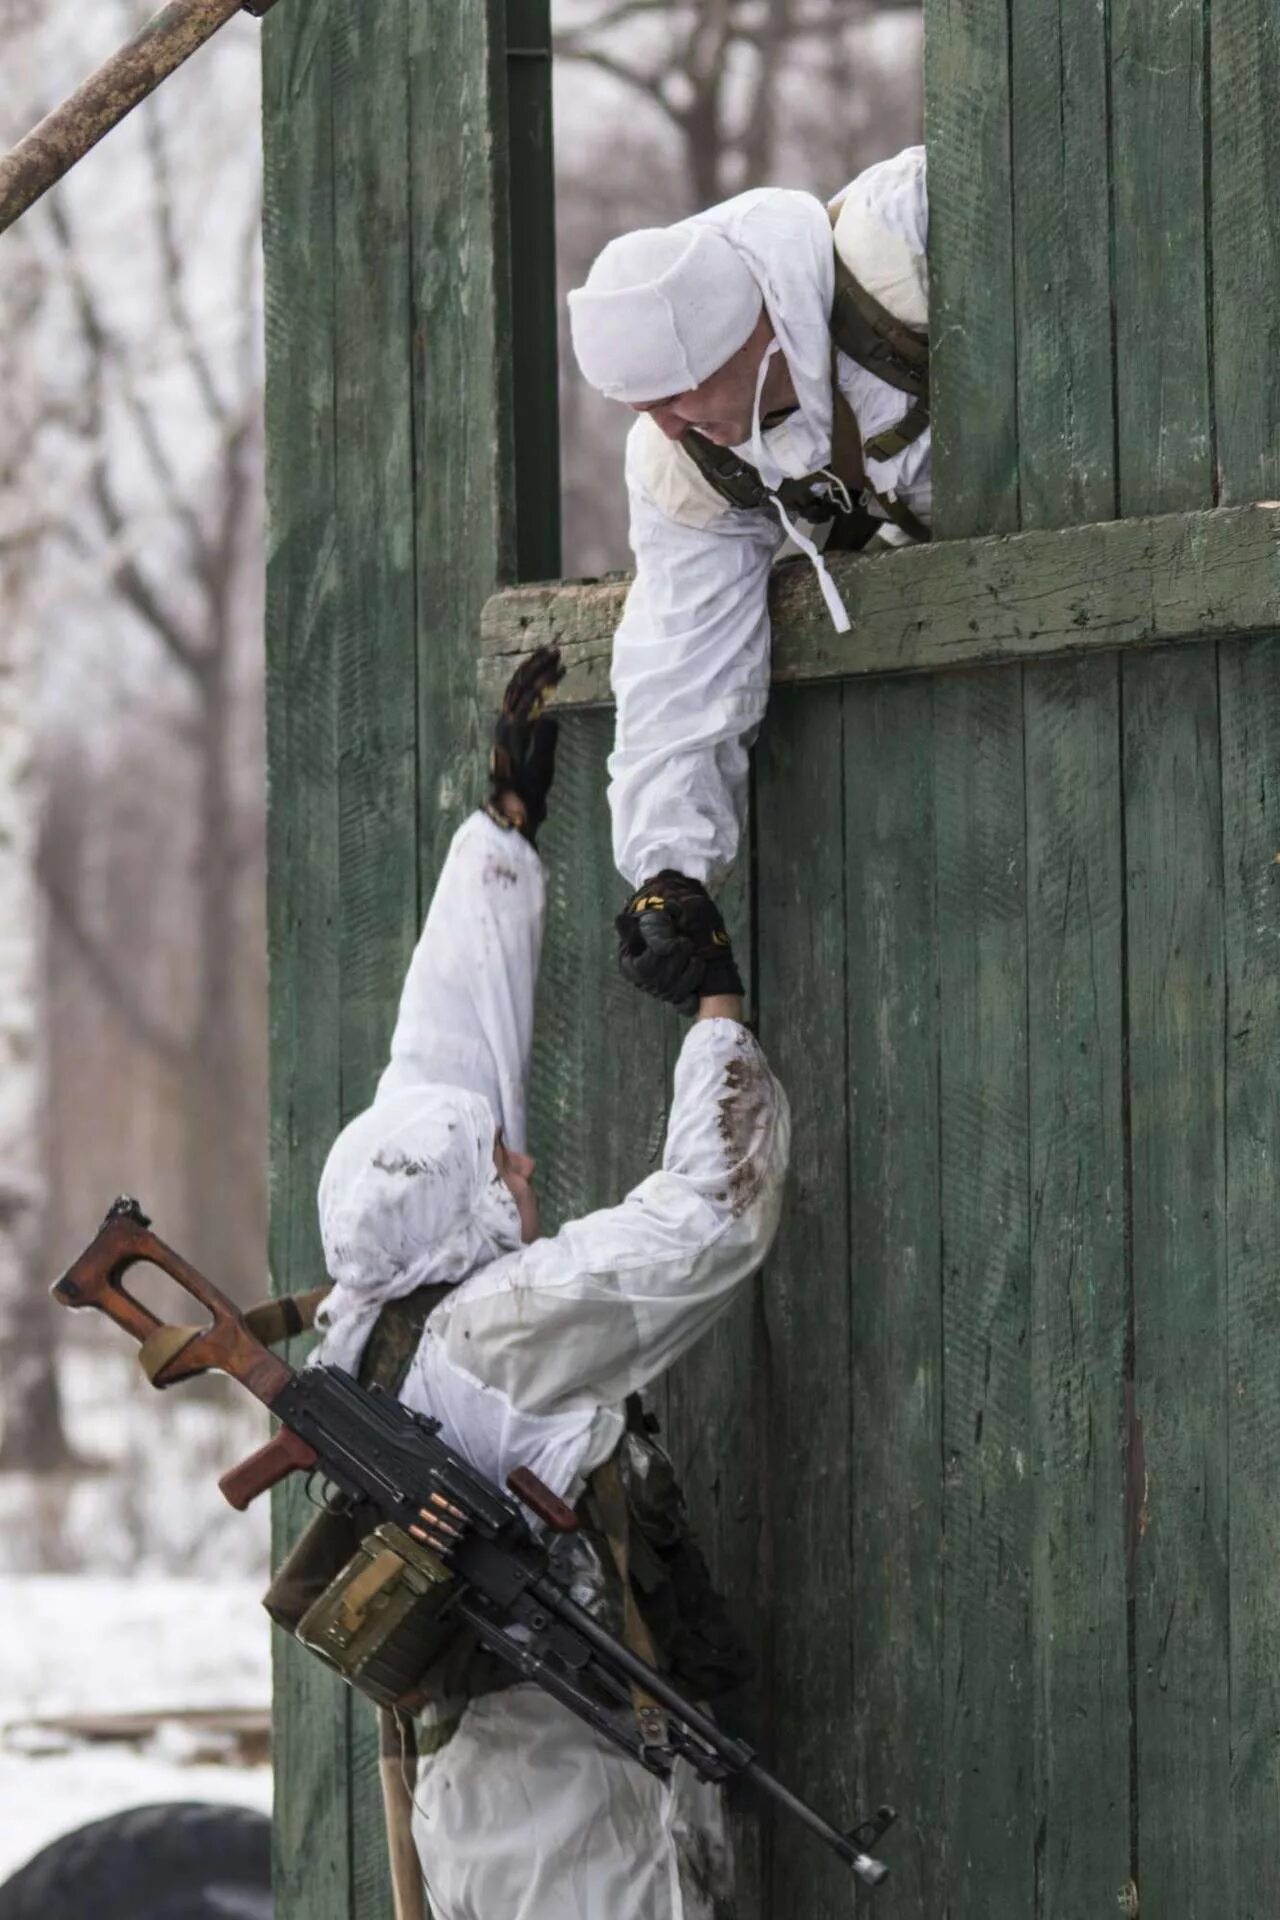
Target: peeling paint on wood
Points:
(958, 603)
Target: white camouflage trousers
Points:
(528, 1814)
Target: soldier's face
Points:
(721, 408)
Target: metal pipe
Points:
(64, 136)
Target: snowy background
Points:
(132, 869)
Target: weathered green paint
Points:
(1173, 842)
(1245, 192)
(1249, 690)
(1075, 1027)
(1245, 180)
(1062, 254)
(311, 1829)
(395, 499)
(1163, 387)
(987, 1750)
(532, 239)
(377, 768)
(599, 1094)
(806, 1304)
(894, 1270)
(1013, 933)
(1079, 1286)
(958, 603)
(971, 296)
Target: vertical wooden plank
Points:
(800, 871)
(599, 1088)
(1176, 998)
(1161, 264)
(1250, 692)
(311, 1828)
(535, 397)
(463, 434)
(715, 1409)
(1079, 1286)
(1245, 243)
(986, 1732)
(1078, 1278)
(894, 1275)
(377, 770)
(1061, 227)
(376, 612)
(971, 316)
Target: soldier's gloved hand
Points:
(672, 942)
(522, 760)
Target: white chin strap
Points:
(771, 473)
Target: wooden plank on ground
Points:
(1032, 595)
(973, 363)
(1162, 341)
(894, 1275)
(311, 1825)
(1179, 1447)
(377, 767)
(1245, 241)
(988, 1501)
(800, 875)
(1250, 691)
(1079, 1285)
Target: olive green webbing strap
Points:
(864, 328)
(901, 515)
(271, 1322)
(610, 1500)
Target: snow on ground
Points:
(149, 1500)
(105, 1645)
(126, 1588)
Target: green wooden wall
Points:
(990, 1456)
(411, 468)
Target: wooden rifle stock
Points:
(169, 1353)
(282, 1455)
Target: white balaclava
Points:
(664, 307)
(409, 1195)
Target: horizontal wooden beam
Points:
(959, 603)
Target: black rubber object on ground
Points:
(183, 1860)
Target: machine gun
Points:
(479, 1548)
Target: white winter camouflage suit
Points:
(526, 1814)
(691, 654)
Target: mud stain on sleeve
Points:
(742, 1122)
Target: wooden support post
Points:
(412, 468)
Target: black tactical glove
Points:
(522, 759)
(672, 942)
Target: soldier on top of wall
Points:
(776, 352)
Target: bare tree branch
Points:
(133, 584)
(171, 263)
(112, 987)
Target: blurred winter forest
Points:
(132, 945)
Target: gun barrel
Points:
(64, 136)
